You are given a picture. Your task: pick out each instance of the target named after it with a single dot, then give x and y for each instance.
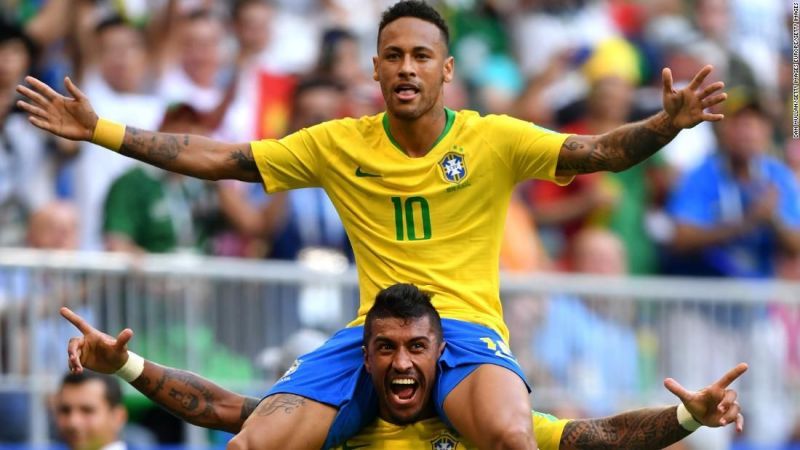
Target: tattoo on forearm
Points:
(185, 395)
(287, 403)
(636, 430)
(244, 159)
(155, 148)
(618, 149)
(249, 406)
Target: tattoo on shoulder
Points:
(244, 159)
(286, 403)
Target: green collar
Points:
(449, 113)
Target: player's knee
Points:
(513, 438)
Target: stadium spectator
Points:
(119, 84)
(27, 179)
(734, 215)
(154, 211)
(589, 343)
(89, 414)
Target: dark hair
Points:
(417, 9)
(113, 390)
(11, 32)
(402, 301)
(316, 82)
(331, 39)
(114, 21)
(239, 5)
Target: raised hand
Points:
(686, 107)
(71, 118)
(714, 405)
(95, 350)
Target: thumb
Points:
(123, 338)
(679, 391)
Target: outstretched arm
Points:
(656, 428)
(188, 396)
(196, 156)
(630, 144)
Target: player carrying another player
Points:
(422, 192)
(402, 341)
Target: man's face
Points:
(745, 134)
(201, 49)
(401, 357)
(316, 105)
(84, 418)
(252, 26)
(123, 58)
(412, 66)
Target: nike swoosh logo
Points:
(361, 174)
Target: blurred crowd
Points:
(720, 200)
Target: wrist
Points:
(108, 134)
(132, 368)
(686, 420)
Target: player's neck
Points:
(417, 136)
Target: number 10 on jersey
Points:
(409, 215)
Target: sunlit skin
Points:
(412, 66)
(84, 418)
(401, 351)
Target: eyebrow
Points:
(418, 48)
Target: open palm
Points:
(71, 118)
(687, 107)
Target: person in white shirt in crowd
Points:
(118, 83)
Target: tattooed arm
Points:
(193, 398)
(192, 155)
(184, 394)
(197, 156)
(630, 144)
(655, 428)
(641, 430)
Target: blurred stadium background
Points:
(606, 292)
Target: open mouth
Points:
(406, 92)
(403, 389)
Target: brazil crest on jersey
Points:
(435, 221)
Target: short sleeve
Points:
(530, 151)
(548, 430)
(291, 162)
(789, 197)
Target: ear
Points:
(120, 415)
(449, 69)
(366, 359)
(441, 348)
(375, 68)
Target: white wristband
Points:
(132, 368)
(686, 420)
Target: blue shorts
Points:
(334, 374)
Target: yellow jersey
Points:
(432, 434)
(435, 221)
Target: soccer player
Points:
(402, 342)
(422, 192)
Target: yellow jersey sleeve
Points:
(293, 161)
(530, 151)
(548, 430)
